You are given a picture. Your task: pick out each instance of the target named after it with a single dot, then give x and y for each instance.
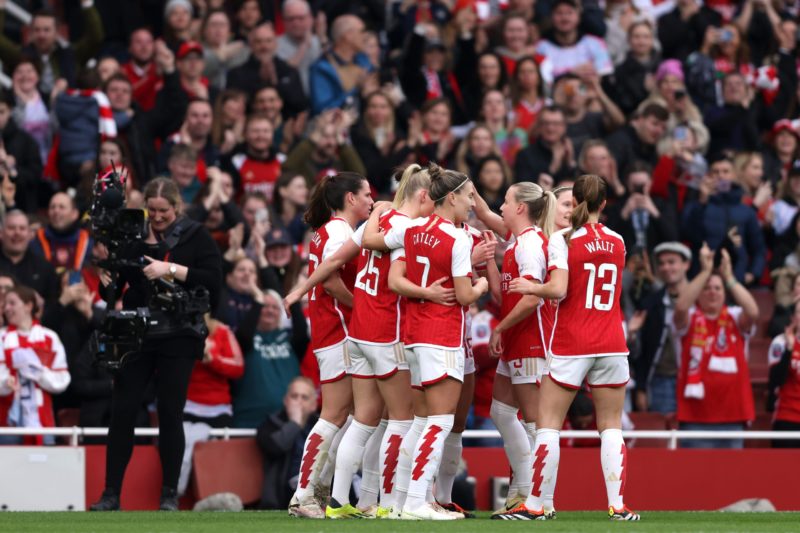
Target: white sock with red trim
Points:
(405, 458)
(427, 457)
(448, 469)
(389, 457)
(315, 454)
(326, 474)
(516, 445)
(613, 458)
(545, 468)
(370, 469)
(348, 459)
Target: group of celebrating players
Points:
(389, 311)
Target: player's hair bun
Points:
(435, 172)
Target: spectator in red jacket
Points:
(208, 402)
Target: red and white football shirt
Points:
(257, 175)
(526, 258)
(376, 309)
(433, 251)
(588, 319)
(329, 317)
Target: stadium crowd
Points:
(689, 110)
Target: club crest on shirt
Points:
(722, 340)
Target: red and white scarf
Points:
(712, 348)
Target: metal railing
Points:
(671, 435)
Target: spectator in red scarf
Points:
(33, 366)
(142, 70)
(714, 391)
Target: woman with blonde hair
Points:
(519, 340)
(180, 251)
(750, 175)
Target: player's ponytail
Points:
(329, 195)
(541, 205)
(547, 221)
(589, 193)
(410, 180)
(443, 182)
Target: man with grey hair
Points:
(340, 74)
(298, 46)
(263, 67)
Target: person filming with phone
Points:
(644, 221)
(719, 218)
(178, 254)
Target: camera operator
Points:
(180, 250)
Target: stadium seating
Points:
(228, 466)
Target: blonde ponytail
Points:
(406, 187)
(547, 220)
(541, 205)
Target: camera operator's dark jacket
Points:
(194, 249)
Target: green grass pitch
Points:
(278, 522)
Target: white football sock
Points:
(348, 459)
(370, 470)
(326, 474)
(427, 457)
(545, 468)
(405, 458)
(448, 469)
(389, 457)
(613, 458)
(315, 453)
(516, 445)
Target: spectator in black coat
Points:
(638, 140)
(183, 82)
(265, 68)
(656, 368)
(281, 439)
(733, 125)
(19, 262)
(551, 158)
(380, 143)
(424, 73)
(682, 30)
(629, 85)
(21, 156)
(60, 60)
